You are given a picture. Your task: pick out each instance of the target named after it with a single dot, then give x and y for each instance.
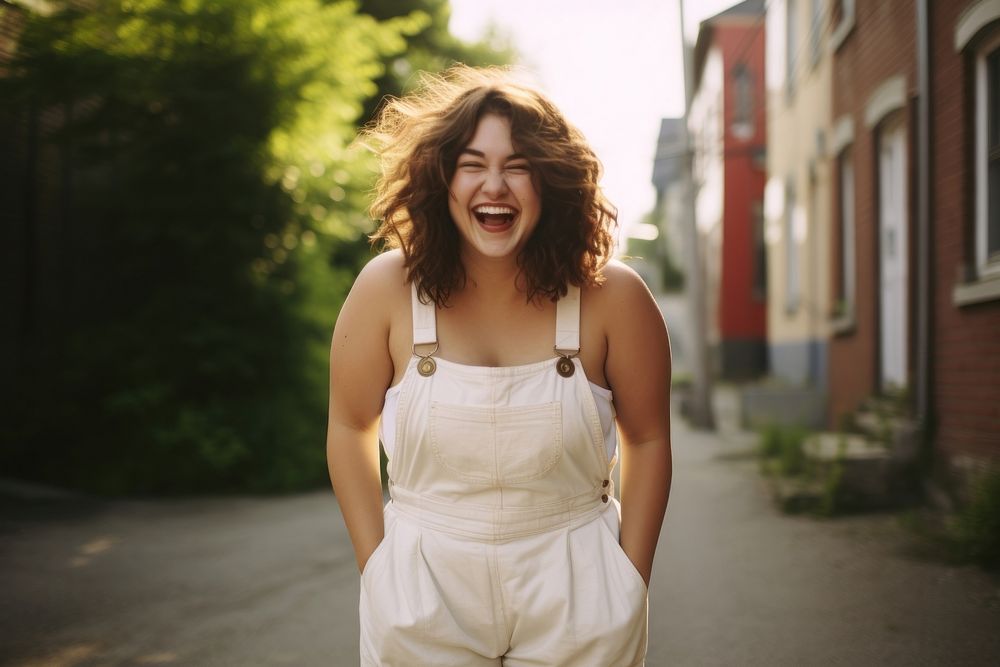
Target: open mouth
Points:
(495, 218)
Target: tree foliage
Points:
(215, 205)
(431, 48)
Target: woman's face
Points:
(493, 199)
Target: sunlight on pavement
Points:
(98, 546)
(163, 658)
(95, 547)
(67, 657)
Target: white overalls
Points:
(501, 535)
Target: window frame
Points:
(791, 39)
(759, 240)
(984, 267)
(791, 46)
(743, 101)
(793, 262)
(816, 15)
(847, 231)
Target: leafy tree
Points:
(431, 48)
(209, 179)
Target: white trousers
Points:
(566, 596)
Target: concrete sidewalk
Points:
(272, 581)
(738, 583)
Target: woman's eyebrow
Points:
(509, 158)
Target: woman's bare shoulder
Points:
(622, 288)
(623, 305)
(378, 292)
(383, 277)
(386, 268)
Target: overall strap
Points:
(424, 318)
(568, 321)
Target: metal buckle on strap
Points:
(426, 366)
(565, 366)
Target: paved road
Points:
(260, 582)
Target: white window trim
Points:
(888, 97)
(974, 19)
(843, 134)
(966, 294)
(843, 28)
(984, 268)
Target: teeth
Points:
(495, 210)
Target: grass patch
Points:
(969, 536)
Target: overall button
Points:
(604, 498)
(605, 483)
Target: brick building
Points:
(916, 208)
(900, 157)
(873, 85)
(964, 164)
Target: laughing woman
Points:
(497, 352)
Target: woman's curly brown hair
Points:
(419, 138)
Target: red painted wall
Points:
(742, 315)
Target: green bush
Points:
(781, 449)
(976, 530)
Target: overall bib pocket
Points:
(497, 445)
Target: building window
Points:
(759, 252)
(742, 101)
(793, 289)
(987, 238)
(816, 30)
(844, 306)
(791, 44)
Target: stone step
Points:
(890, 405)
(827, 446)
(879, 426)
(858, 471)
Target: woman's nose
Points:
(495, 182)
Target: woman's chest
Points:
(498, 337)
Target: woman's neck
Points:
(497, 279)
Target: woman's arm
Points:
(360, 372)
(638, 370)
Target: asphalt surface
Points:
(272, 581)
